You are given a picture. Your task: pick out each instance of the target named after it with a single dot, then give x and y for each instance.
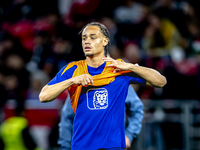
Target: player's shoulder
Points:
(80, 62)
(74, 63)
(72, 66)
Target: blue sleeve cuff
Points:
(130, 135)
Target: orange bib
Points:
(107, 76)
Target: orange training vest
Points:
(107, 76)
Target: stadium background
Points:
(38, 37)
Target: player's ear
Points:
(105, 41)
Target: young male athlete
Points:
(133, 120)
(98, 88)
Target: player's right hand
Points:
(83, 80)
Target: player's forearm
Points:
(153, 77)
(51, 92)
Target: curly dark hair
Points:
(103, 30)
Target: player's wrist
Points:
(72, 81)
(131, 67)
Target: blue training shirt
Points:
(99, 119)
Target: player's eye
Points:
(93, 38)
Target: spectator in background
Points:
(14, 133)
(112, 28)
(75, 9)
(42, 49)
(132, 53)
(193, 52)
(46, 23)
(60, 55)
(4, 93)
(10, 45)
(38, 80)
(130, 19)
(130, 13)
(160, 36)
(11, 83)
(181, 69)
(133, 120)
(173, 9)
(193, 48)
(14, 64)
(17, 10)
(23, 31)
(115, 52)
(6, 44)
(16, 78)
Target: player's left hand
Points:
(117, 64)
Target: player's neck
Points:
(95, 61)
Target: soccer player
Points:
(133, 120)
(98, 88)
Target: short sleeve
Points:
(61, 76)
(135, 79)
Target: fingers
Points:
(114, 64)
(116, 70)
(111, 65)
(84, 82)
(108, 59)
(92, 81)
(89, 79)
(86, 79)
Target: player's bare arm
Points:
(153, 77)
(51, 92)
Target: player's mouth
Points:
(87, 48)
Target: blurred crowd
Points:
(38, 38)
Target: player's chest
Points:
(101, 97)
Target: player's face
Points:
(93, 41)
